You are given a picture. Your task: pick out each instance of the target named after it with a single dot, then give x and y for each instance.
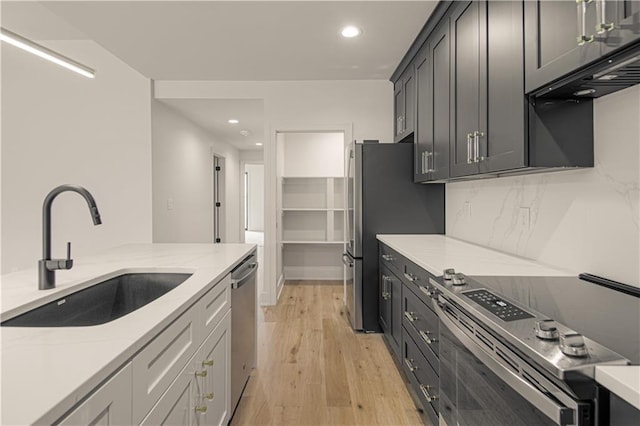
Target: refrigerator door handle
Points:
(346, 259)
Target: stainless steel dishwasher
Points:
(243, 325)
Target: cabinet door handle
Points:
(410, 277)
(425, 392)
(603, 26)
(429, 160)
(207, 363)
(425, 336)
(582, 22)
(202, 373)
(209, 396)
(387, 257)
(476, 143)
(469, 148)
(385, 288)
(201, 409)
(411, 316)
(410, 365)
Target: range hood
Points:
(608, 75)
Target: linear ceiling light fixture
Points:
(48, 54)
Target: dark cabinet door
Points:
(439, 51)
(398, 108)
(404, 104)
(433, 94)
(618, 23)
(502, 137)
(396, 314)
(423, 138)
(560, 36)
(467, 28)
(384, 301)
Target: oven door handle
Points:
(557, 412)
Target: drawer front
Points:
(423, 378)
(391, 259)
(418, 280)
(215, 304)
(423, 324)
(158, 364)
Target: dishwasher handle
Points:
(238, 282)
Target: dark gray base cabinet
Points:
(390, 305)
(411, 328)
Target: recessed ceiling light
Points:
(233, 121)
(259, 143)
(351, 31)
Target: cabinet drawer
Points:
(158, 364)
(423, 324)
(423, 378)
(109, 405)
(391, 259)
(215, 304)
(418, 280)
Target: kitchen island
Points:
(47, 372)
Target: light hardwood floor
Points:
(313, 369)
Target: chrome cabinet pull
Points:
(385, 289)
(410, 277)
(582, 22)
(476, 142)
(410, 365)
(411, 316)
(425, 336)
(429, 161)
(425, 392)
(469, 148)
(387, 257)
(603, 26)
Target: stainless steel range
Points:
(523, 350)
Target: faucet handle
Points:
(56, 264)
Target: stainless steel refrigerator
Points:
(382, 199)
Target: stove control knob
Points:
(572, 344)
(458, 279)
(546, 330)
(448, 274)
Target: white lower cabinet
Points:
(181, 377)
(201, 392)
(109, 405)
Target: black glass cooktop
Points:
(609, 317)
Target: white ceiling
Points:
(212, 115)
(233, 40)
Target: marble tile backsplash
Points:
(585, 220)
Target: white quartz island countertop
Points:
(45, 371)
(435, 253)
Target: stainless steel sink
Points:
(102, 302)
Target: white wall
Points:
(586, 220)
(252, 156)
(59, 127)
(365, 107)
(313, 154)
(255, 172)
(183, 180)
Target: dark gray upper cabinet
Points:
(468, 30)
(404, 104)
(488, 113)
(432, 137)
(618, 23)
(564, 36)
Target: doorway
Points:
(254, 203)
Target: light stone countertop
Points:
(438, 252)
(45, 371)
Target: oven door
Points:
(483, 383)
